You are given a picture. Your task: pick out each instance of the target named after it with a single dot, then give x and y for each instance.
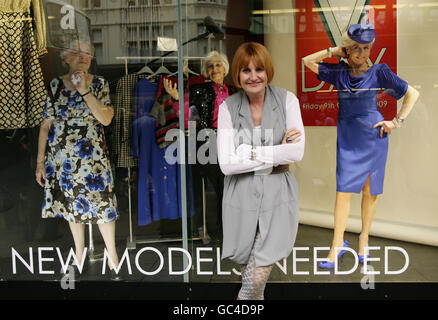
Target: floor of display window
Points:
(418, 281)
(22, 230)
(422, 265)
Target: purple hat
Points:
(361, 33)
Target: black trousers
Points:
(213, 177)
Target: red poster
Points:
(319, 25)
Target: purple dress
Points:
(360, 151)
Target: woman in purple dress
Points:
(362, 144)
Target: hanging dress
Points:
(22, 91)
(79, 184)
(159, 185)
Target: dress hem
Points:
(81, 222)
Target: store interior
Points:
(404, 233)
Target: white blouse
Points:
(238, 160)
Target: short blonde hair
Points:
(244, 54)
(212, 56)
(347, 42)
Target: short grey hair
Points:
(211, 56)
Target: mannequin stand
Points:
(93, 254)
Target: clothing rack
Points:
(132, 240)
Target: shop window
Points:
(168, 31)
(132, 33)
(132, 49)
(290, 30)
(155, 32)
(98, 49)
(95, 4)
(98, 45)
(155, 48)
(97, 35)
(144, 33)
(144, 48)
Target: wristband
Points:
(330, 52)
(83, 95)
(396, 123)
(400, 119)
(253, 153)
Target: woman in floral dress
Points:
(75, 172)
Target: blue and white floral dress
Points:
(79, 184)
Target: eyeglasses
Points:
(80, 53)
(213, 65)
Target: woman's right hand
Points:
(40, 174)
(340, 51)
(171, 89)
(291, 136)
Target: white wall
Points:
(408, 208)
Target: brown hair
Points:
(248, 51)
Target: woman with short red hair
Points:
(260, 132)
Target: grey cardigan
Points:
(267, 202)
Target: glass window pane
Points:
(144, 32)
(95, 3)
(168, 31)
(97, 34)
(123, 33)
(144, 48)
(98, 47)
(155, 32)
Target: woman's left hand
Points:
(82, 85)
(291, 136)
(385, 126)
(172, 90)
